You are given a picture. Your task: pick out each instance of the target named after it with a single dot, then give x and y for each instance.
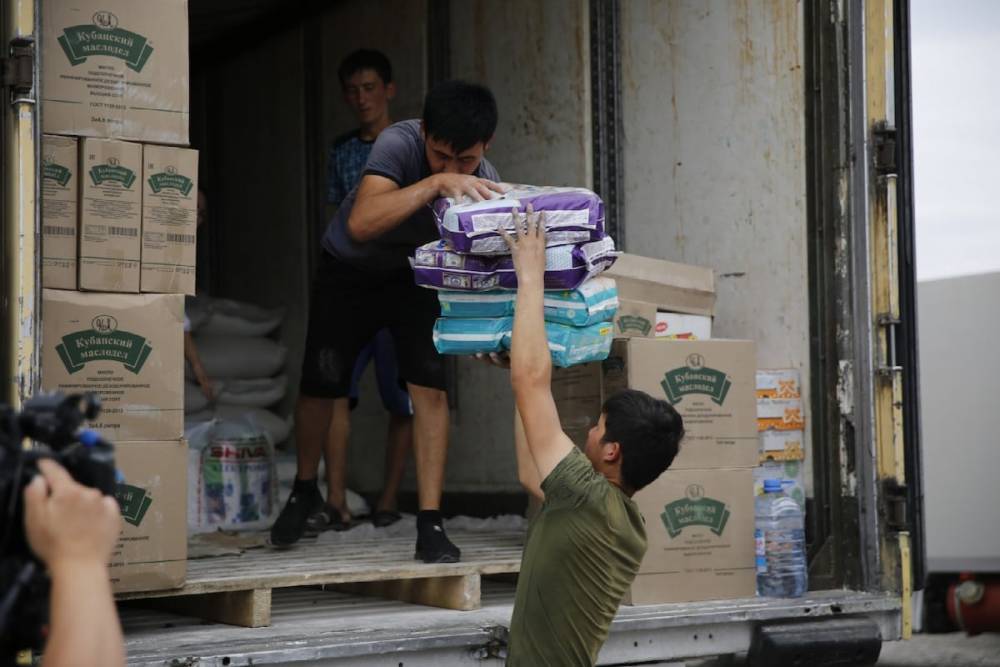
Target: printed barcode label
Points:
(52, 230)
(122, 231)
(180, 238)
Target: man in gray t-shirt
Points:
(364, 283)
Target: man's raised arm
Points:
(530, 359)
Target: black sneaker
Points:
(304, 501)
(433, 545)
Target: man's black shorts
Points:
(347, 307)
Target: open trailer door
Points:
(19, 270)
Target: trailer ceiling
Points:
(220, 29)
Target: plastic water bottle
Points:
(780, 544)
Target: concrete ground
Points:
(947, 650)
(951, 650)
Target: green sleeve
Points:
(573, 481)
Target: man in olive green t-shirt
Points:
(585, 546)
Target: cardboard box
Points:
(676, 326)
(780, 414)
(128, 349)
(151, 553)
(710, 383)
(116, 69)
(60, 201)
(169, 219)
(781, 383)
(790, 474)
(110, 215)
(671, 287)
(637, 319)
(782, 446)
(699, 530)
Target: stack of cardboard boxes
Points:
(699, 514)
(781, 422)
(119, 214)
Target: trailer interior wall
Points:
(714, 160)
(248, 124)
(959, 368)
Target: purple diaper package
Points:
(572, 216)
(567, 267)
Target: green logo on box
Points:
(170, 179)
(104, 38)
(635, 323)
(103, 342)
(57, 173)
(134, 503)
(695, 510)
(696, 378)
(112, 171)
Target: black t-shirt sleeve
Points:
(488, 171)
(389, 155)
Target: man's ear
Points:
(611, 452)
(390, 92)
(486, 144)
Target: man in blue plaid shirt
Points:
(366, 80)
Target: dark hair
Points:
(460, 114)
(649, 432)
(363, 59)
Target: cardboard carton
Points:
(110, 215)
(128, 349)
(60, 200)
(780, 414)
(116, 69)
(637, 319)
(169, 219)
(710, 383)
(151, 553)
(789, 473)
(699, 531)
(782, 446)
(781, 383)
(669, 286)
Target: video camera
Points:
(53, 421)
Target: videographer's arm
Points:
(73, 529)
(381, 205)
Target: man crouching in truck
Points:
(585, 546)
(364, 283)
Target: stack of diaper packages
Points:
(474, 274)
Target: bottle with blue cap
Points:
(780, 543)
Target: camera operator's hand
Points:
(66, 522)
(73, 529)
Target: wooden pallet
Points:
(236, 589)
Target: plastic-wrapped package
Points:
(569, 345)
(571, 216)
(437, 266)
(592, 302)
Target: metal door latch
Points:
(18, 68)
(885, 148)
(894, 504)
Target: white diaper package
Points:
(569, 345)
(594, 301)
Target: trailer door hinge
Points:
(894, 505)
(889, 364)
(18, 68)
(885, 148)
